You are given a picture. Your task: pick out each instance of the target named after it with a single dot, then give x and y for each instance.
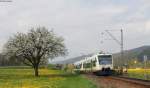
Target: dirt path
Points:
(107, 82)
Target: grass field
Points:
(139, 73)
(24, 78)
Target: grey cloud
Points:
(80, 22)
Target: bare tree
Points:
(35, 47)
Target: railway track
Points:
(144, 83)
(119, 82)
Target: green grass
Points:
(139, 73)
(24, 78)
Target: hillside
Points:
(137, 53)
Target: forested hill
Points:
(136, 53)
(132, 54)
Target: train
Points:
(99, 64)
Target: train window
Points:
(105, 59)
(78, 66)
(94, 63)
(94, 59)
(86, 65)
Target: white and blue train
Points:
(100, 64)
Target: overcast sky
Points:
(80, 22)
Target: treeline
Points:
(15, 61)
(9, 61)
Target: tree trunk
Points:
(36, 72)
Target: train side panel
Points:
(96, 65)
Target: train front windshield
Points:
(105, 59)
